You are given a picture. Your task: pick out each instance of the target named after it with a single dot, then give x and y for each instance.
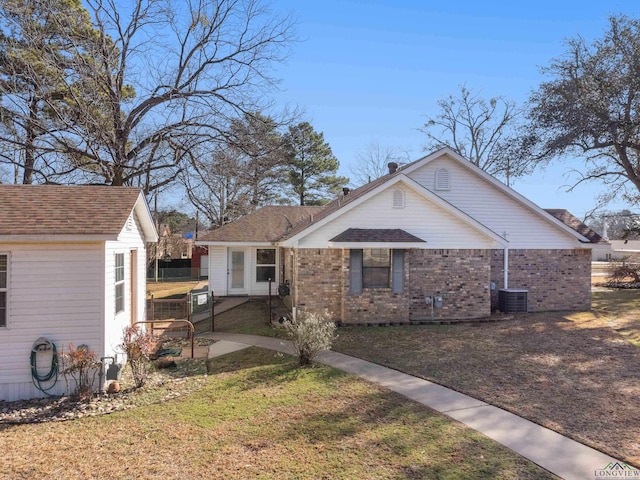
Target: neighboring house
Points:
(623, 249)
(200, 261)
(72, 270)
(435, 239)
(171, 246)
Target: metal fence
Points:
(174, 274)
(195, 306)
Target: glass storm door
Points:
(236, 273)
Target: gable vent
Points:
(443, 179)
(398, 199)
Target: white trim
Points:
(119, 283)
(146, 220)
(497, 184)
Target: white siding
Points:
(55, 291)
(261, 288)
(420, 217)
(493, 208)
(218, 270)
(66, 293)
(130, 239)
(219, 266)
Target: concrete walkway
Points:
(558, 454)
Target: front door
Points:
(236, 272)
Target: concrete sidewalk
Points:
(558, 454)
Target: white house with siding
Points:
(437, 239)
(72, 270)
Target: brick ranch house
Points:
(435, 239)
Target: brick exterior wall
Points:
(461, 277)
(322, 283)
(319, 278)
(555, 279)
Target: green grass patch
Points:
(259, 416)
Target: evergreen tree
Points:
(312, 165)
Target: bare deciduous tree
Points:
(373, 162)
(480, 130)
(164, 77)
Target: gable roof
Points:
(31, 212)
(265, 225)
(498, 185)
(362, 194)
(574, 222)
(356, 194)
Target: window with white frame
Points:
(119, 282)
(4, 271)
(265, 264)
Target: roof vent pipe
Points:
(393, 166)
(346, 190)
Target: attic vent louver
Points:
(443, 179)
(398, 199)
(129, 224)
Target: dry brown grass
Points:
(166, 289)
(574, 373)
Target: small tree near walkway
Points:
(310, 333)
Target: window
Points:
(265, 264)
(4, 270)
(119, 282)
(376, 263)
(376, 268)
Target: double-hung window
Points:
(376, 268)
(4, 273)
(119, 282)
(265, 264)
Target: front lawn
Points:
(576, 373)
(258, 416)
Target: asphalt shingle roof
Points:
(27, 210)
(268, 224)
(574, 222)
(376, 235)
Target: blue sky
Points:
(372, 70)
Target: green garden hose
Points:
(39, 381)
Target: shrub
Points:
(81, 365)
(310, 333)
(139, 345)
(623, 271)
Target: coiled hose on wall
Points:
(40, 381)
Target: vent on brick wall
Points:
(511, 300)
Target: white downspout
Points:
(506, 267)
(506, 262)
